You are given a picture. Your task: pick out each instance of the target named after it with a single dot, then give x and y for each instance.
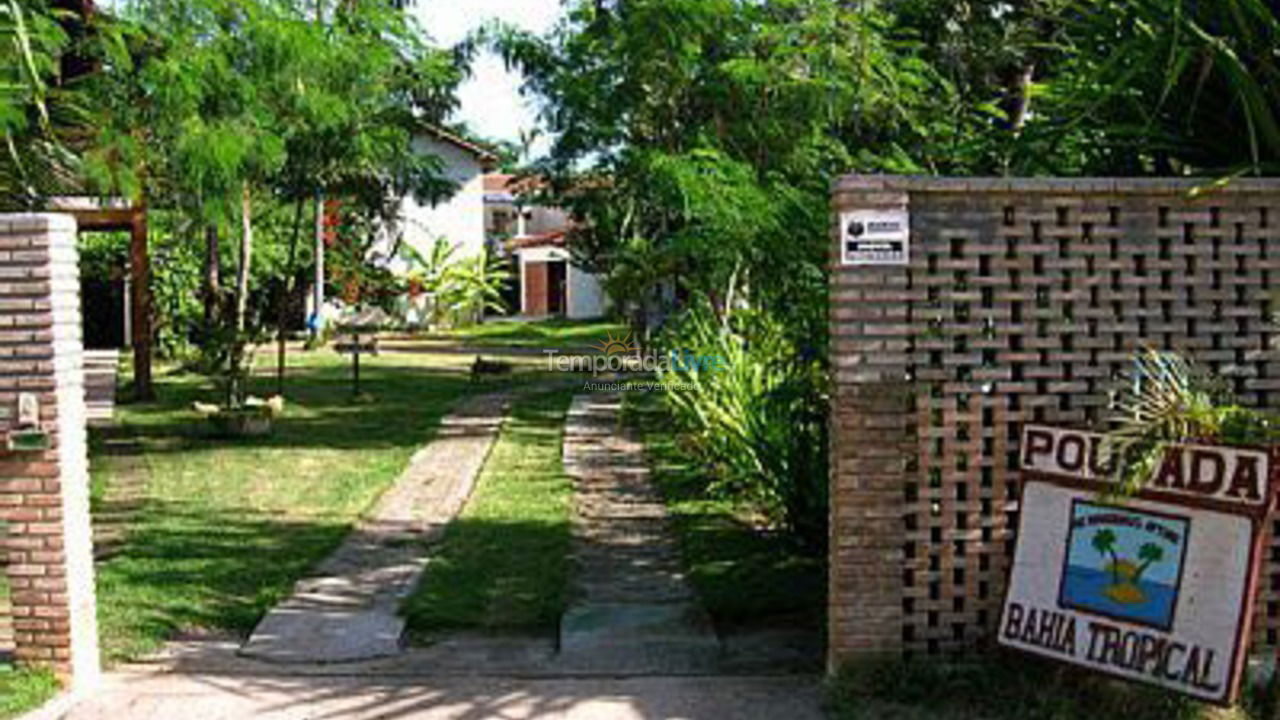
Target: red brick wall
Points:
(1022, 301)
(44, 495)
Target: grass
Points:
(1008, 686)
(23, 689)
(744, 574)
(554, 333)
(228, 526)
(502, 565)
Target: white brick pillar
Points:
(44, 492)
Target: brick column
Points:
(44, 494)
(872, 440)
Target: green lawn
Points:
(228, 526)
(24, 689)
(21, 689)
(503, 563)
(555, 333)
(744, 575)
(1008, 686)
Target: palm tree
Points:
(1104, 541)
(1149, 553)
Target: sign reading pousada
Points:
(1156, 587)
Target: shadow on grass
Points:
(746, 574)
(549, 333)
(396, 406)
(195, 570)
(503, 564)
(223, 528)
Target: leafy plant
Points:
(1169, 400)
(753, 410)
(459, 291)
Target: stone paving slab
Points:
(632, 611)
(348, 609)
(151, 696)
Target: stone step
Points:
(634, 611)
(638, 638)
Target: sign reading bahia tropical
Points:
(1157, 586)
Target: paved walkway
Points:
(348, 609)
(300, 697)
(632, 610)
(635, 644)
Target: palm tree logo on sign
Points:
(1124, 564)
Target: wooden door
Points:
(535, 288)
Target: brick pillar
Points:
(44, 494)
(872, 441)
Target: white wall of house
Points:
(535, 220)
(461, 218)
(584, 294)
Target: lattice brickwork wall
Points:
(1023, 301)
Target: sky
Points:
(491, 101)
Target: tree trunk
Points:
(212, 279)
(237, 372)
(246, 257)
(282, 305)
(1018, 97)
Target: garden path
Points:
(348, 609)
(633, 610)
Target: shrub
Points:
(757, 414)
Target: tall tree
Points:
(235, 108)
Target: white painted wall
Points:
(461, 217)
(585, 298)
(586, 295)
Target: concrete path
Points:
(348, 609)
(632, 610)
(130, 696)
(101, 368)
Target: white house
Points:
(536, 236)
(461, 218)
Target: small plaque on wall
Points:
(875, 237)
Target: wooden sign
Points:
(1157, 587)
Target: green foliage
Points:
(744, 573)
(38, 111)
(233, 116)
(1169, 400)
(755, 415)
(1174, 86)
(1005, 686)
(24, 689)
(695, 142)
(460, 291)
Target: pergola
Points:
(94, 216)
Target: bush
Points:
(753, 406)
(1004, 685)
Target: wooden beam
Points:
(106, 219)
(140, 288)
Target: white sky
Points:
(491, 101)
